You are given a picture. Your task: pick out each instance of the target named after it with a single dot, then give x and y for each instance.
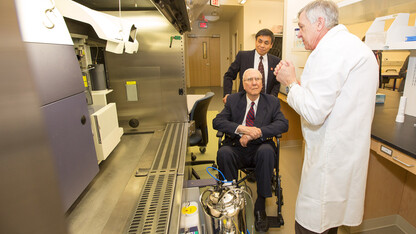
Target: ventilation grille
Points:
(168, 153)
(152, 214)
(154, 206)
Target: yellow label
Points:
(85, 81)
(188, 209)
(130, 82)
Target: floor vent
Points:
(152, 214)
(154, 206)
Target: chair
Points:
(274, 221)
(199, 138)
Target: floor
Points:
(101, 208)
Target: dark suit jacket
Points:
(268, 117)
(245, 60)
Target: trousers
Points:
(262, 157)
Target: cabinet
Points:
(58, 80)
(104, 124)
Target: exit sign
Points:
(215, 3)
(203, 24)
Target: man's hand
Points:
(224, 99)
(285, 72)
(244, 140)
(253, 132)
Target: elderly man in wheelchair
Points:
(250, 120)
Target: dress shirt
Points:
(248, 106)
(265, 65)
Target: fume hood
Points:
(119, 34)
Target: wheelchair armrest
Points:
(219, 135)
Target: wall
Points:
(297, 55)
(236, 27)
(260, 14)
(214, 28)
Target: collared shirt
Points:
(265, 65)
(256, 102)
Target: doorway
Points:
(204, 61)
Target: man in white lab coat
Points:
(335, 99)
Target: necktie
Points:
(261, 69)
(250, 116)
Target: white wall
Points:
(297, 55)
(259, 14)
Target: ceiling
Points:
(225, 12)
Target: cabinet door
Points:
(55, 70)
(69, 130)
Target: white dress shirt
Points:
(265, 65)
(256, 102)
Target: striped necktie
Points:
(250, 116)
(261, 70)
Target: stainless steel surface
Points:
(183, 149)
(29, 197)
(123, 210)
(159, 74)
(103, 203)
(175, 214)
(168, 154)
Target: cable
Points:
(224, 181)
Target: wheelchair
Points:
(276, 183)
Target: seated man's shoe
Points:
(260, 221)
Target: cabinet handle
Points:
(398, 160)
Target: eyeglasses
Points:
(250, 79)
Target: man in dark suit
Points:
(250, 119)
(258, 58)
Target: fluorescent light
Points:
(242, 1)
(347, 2)
(212, 17)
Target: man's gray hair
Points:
(252, 69)
(322, 8)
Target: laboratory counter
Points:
(385, 129)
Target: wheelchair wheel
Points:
(202, 150)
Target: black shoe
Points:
(251, 178)
(260, 221)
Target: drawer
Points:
(394, 155)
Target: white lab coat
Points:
(336, 101)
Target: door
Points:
(204, 61)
